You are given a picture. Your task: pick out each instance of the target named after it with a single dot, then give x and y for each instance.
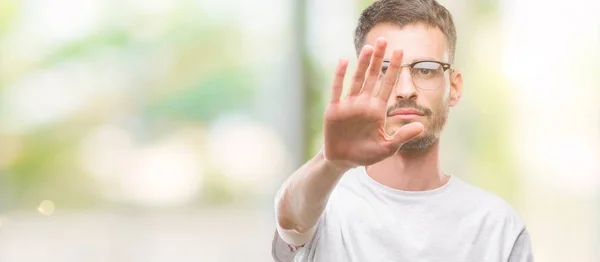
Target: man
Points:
(375, 191)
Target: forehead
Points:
(417, 41)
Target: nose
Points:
(405, 87)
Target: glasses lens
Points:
(427, 75)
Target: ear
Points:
(456, 85)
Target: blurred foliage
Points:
(222, 91)
(47, 168)
(8, 10)
(203, 77)
(485, 130)
(489, 137)
(483, 9)
(82, 48)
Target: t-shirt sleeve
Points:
(282, 251)
(521, 251)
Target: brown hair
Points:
(404, 12)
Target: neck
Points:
(410, 171)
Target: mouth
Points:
(406, 114)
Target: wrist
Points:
(337, 166)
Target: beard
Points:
(436, 122)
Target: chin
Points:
(419, 143)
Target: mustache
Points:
(404, 104)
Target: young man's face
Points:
(418, 43)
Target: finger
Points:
(338, 80)
(391, 76)
(359, 76)
(404, 134)
(375, 67)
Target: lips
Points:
(406, 112)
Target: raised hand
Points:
(354, 128)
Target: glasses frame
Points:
(445, 66)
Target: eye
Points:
(383, 70)
(426, 70)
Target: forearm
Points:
(303, 197)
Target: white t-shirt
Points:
(367, 221)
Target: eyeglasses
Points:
(426, 75)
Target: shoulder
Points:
(489, 206)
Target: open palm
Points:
(354, 128)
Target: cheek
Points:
(434, 102)
(441, 97)
(430, 99)
(446, 90)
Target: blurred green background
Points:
(160, 130)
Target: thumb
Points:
(406, 133)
